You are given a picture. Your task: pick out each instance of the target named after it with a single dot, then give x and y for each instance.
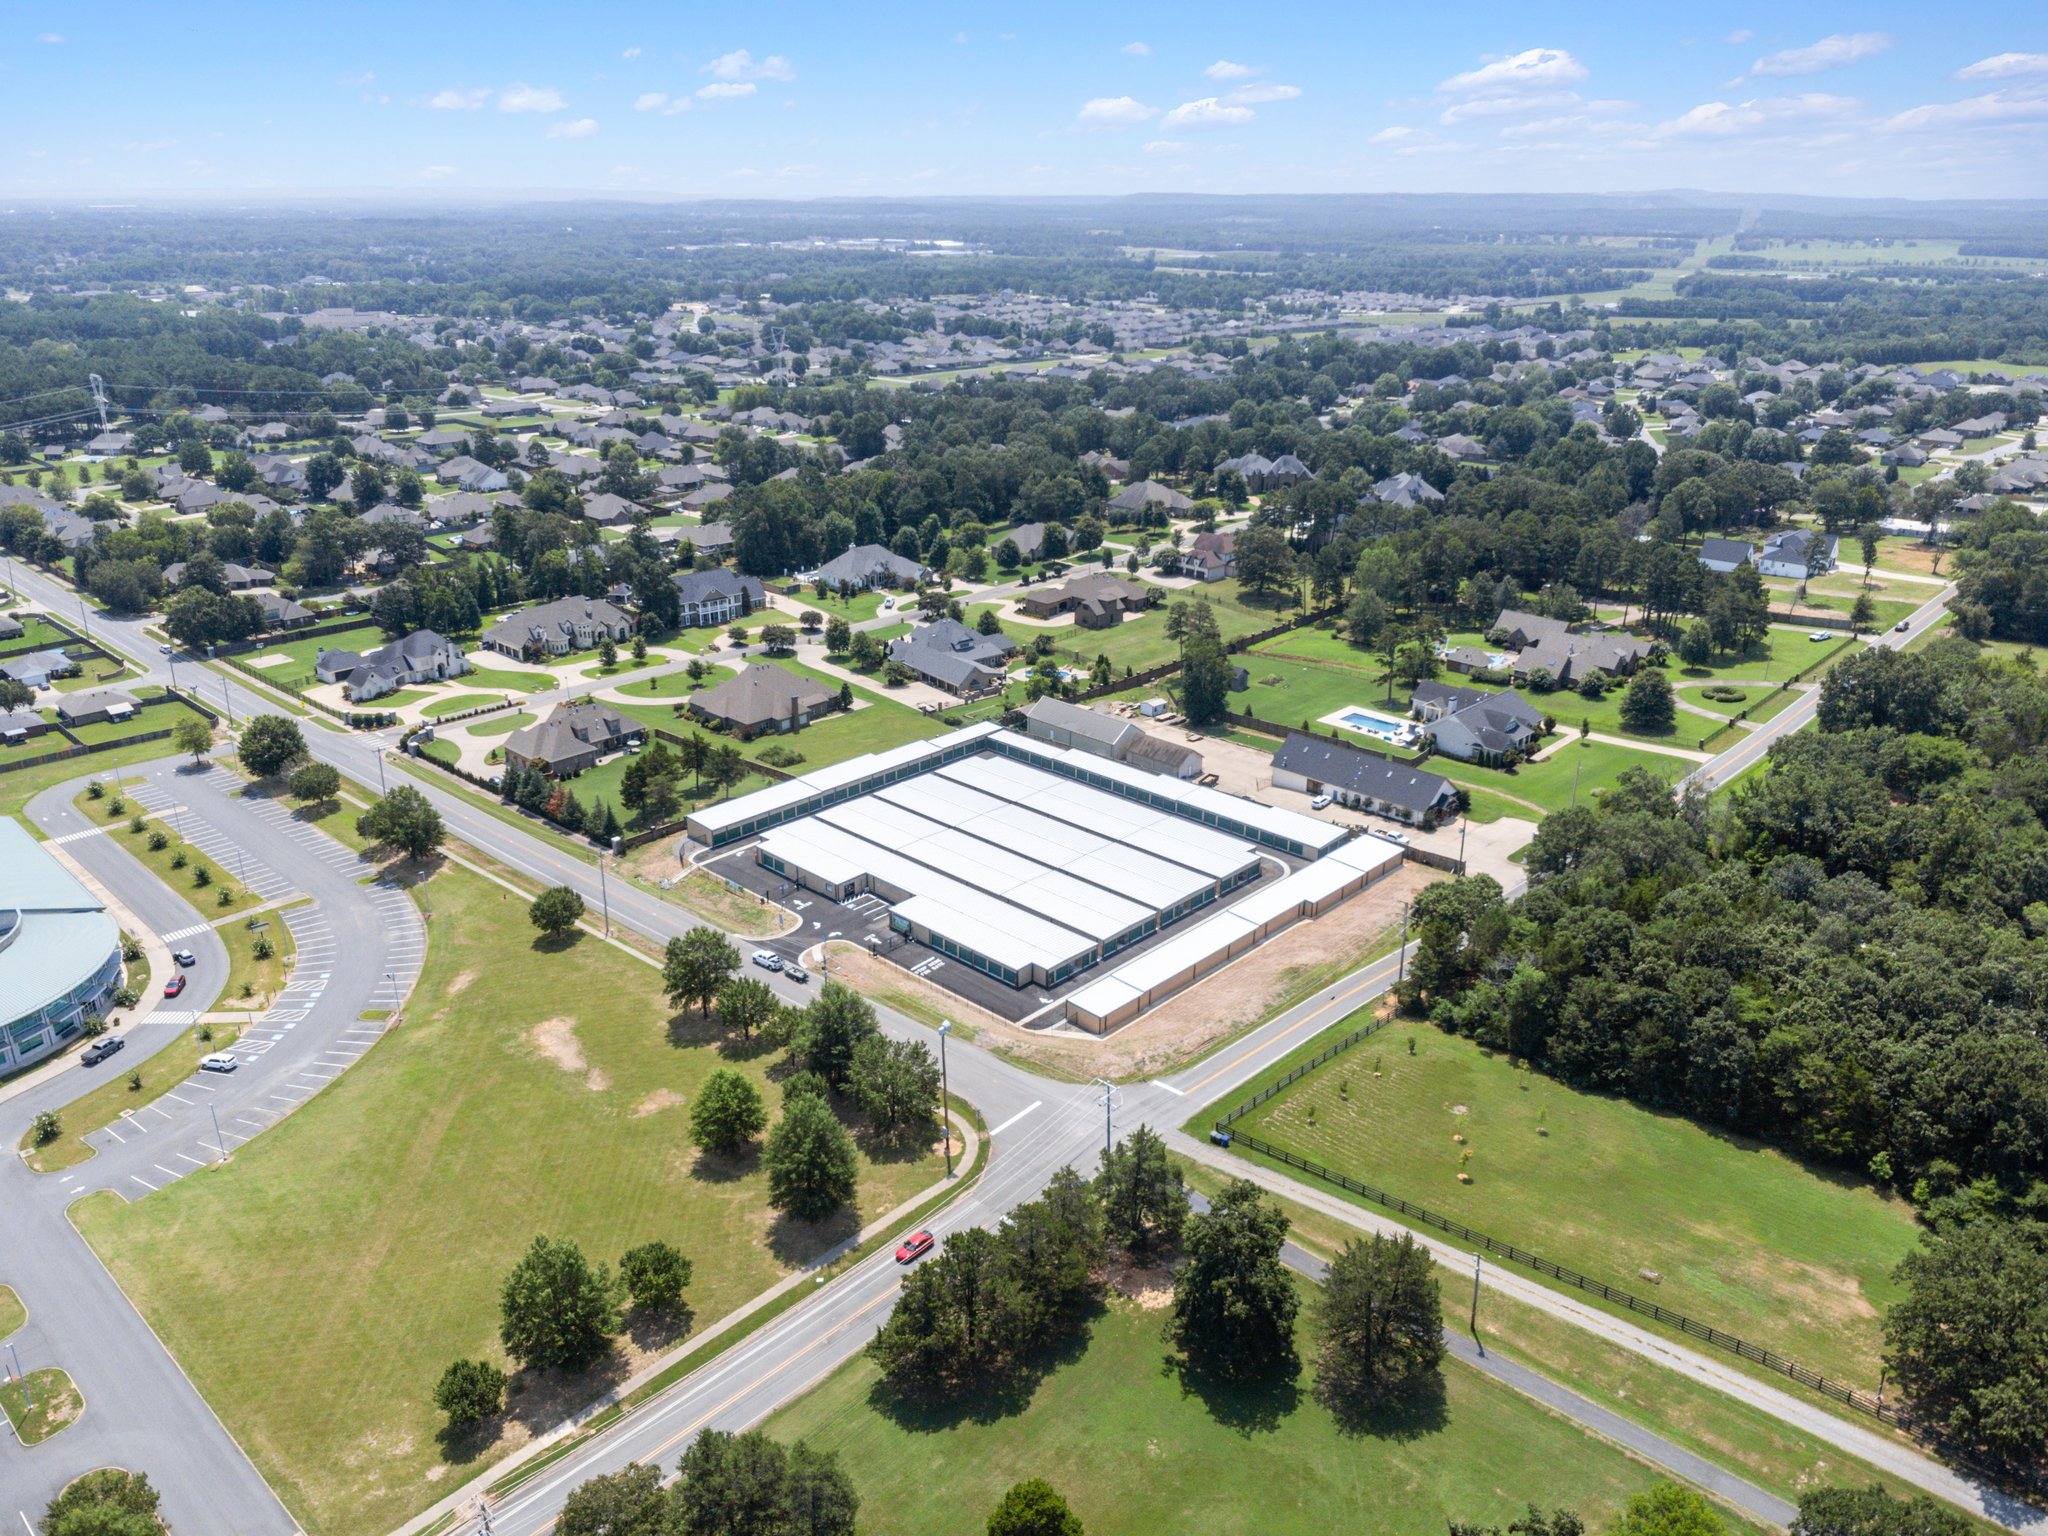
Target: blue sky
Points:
(801, 100)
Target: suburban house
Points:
(1150, 493)
(37, 668)
(1724, 555)
(239, 577)
(1095, 601)
(949, 655)
(471, 474)
(11, 628)
(1405, 490)
(717, 597)
(1260, 473)
(1564, 651)
(571, 739)
(18, 725)
(1211, 557)
(763, 697)
(1028, 537)
(1351, 776)
(282, 612)
(555, 629)
(869, 565)
(1085, 730)
(1797, 553)
(97, 704)
(610, 511)
(1473, 725)
(420, 657)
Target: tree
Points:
(727, 1113)
(749, 1485)
(652, 784)
(811, 1162)
(1862, 613)
(1873, 1512)
(745, 1005)
(270, 744)
(403, 820)
(780, 639)
(1382, 1317)
(1144, 1200)
(106, 1502)
(1668, 1509)
(835, 1024)
(556, 910)
(695, 966)
(193, 734)
(1233, 1304)
(1033, 1508)
(1646, 704)
(315, 781)
(1695, 645)
(1964, 1343)
(560, 1310)
(655, 1274)
(896, 1084)
(470, 1390)
(628, 1502)
(1559, 1522)
(838, 635)
(1265, 563)
(1205, 677)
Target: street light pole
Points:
(225, 702)
(945, 1095)
(1477, 1260)
(1110, 1102)
(28, 1400)
(1401, 974)
(218, 1139)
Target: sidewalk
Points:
(475, 1489)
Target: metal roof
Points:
(62, 935)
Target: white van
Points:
(219, 1061)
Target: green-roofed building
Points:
(60, 951)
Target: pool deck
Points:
(1342, 719)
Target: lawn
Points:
(156, 717)
(305, 651)
(263, 978)
(499, 725)
(672, 685)
(112, 1097)
(38, 634)
(456, 703)
(392, 1205)
(18, 788)
(1132, 1450)
(51, 1402)
(837, 737)
(1795, 1259)
(1141, 642)
(507, 680)
(12, 1313)
(161, 862)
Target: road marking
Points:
(1016, 1117)
(170, 1095)
(1179, 1093)
(160, 1168)
(1373, 978)
(193, 1160)
(115, 1134)
(138, 1178)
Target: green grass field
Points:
(160, 861)
(1789, 1257)
(1141, 642)
(455, 703)
(304, 652)
(48, 1402)
(12, 1313)
(499, 725)
(391, 1206)
(1134, 1452)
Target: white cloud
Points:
(1993, 107)
(1720, 120)
(1114, 112)
(726, 90)
(630, 53)
(1165, 147)
(521, 97)
(49, 37)
(1738, 37)
(1206, 113)
(798, 172)
(1223, 69)
(433, 172)
(1254, 95)
(1398, 134)
(742, 65)
(458, 99)
(2003, 66)
(360, 82)
(582, 128)
(1829, 53)
(1141, 50)
(1510, 106)
(1517, 74)
(662, 102)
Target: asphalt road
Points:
(1038, 1124)
(359, 948)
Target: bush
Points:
(315, 781)
(95, 790)
(46, 1127)
(202, 876)
(1721, 693)
(655, 1274)
(136, 824)
(158, 841)
(555, 912)
(470, 1390)
(178, 860)
(263, 949)
(727, 1112)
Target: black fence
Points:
(1852, 1397)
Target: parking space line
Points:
(138, 1178)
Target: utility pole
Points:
(1402, 974)
(1575, 784)
(1112, 1101)
(218, 1139)
(945, 1092)
(225, 702)
(1464, 830)
(25, 1397)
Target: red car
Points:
(915, 1246)
(174, 986)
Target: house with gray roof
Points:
(716, 596)
(1565, 651)
(95, 705)
(1473, 725)
(420, 657)
(949, 655)
(38, 668)
(869, 565)
(1352, 776)
(571, 739)
(1079, 729)
(1150, 493)
(763, 697)
(555, 629)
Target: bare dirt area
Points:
(1270, 978)
(740, 912)
(1150, 1287)
(556, 1039)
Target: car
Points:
(1903, 625)
(1392, 836)
(1819, 635)
(767, 959)
(914, 1247)
(100, 1050)
(888, 603)
(163, 650)
(1320, 803)
(795, 972)
(219, 1061)
(184, 957)
(174, 986)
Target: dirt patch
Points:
(461, 983)
(274, 659)
(656, 1102)
(1150, 1287)
(1460, 1109)
(556, 1040)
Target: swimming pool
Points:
(1370, 723)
